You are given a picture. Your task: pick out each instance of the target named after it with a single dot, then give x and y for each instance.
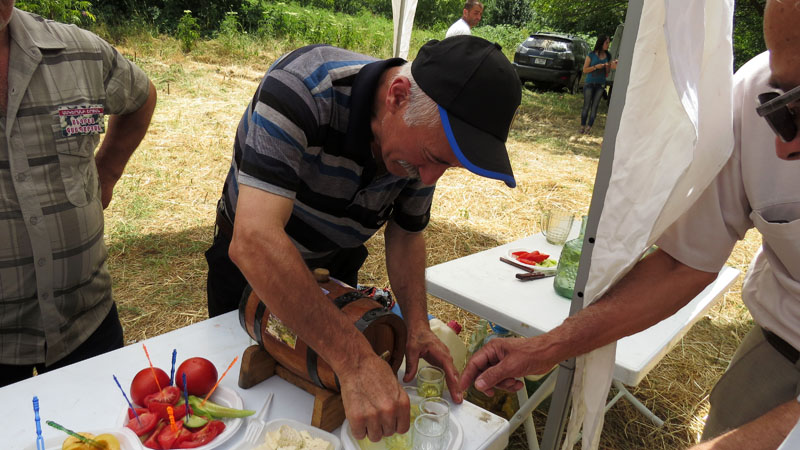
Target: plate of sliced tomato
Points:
(154, 430)
(535, 260)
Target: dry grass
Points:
(161, 222)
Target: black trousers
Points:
(107, 337)
(226, 283)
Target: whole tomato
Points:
(201, 375)
(144, 384)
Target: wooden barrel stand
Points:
(258, 365)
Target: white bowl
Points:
(222, 396)
(275, 424)
(126, 437)
(537, 268)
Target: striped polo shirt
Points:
(306, 136)
(55, 289)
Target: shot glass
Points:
(430, 432)
(414, 399)
(430, 381)
(436, 406)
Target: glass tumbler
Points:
(430, 432)
(430, 381)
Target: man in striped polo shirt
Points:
(56, 84)
(333, 146)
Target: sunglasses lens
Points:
(781, 121)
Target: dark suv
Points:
(552, 59)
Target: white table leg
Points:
(527, 405)
(637, 404)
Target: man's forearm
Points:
(653, 290)
(124, 134)
(405, 265)
(766, 432)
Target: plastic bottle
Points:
(447, 333)
(567, 270)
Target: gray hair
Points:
(421, 109)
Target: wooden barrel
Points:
(384, 330)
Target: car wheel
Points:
(573, 88)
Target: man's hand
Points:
(374, 402)
(500, 362)
(425, 344)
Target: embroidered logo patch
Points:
(81, 120)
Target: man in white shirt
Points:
(753, 405)
(473, 11)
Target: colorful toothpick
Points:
(135, 414)
(220, 379)
(186, 397)
(152, 369)
(77, 436)
(172, 371)
(39, 439)
(171, 415)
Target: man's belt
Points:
(224, 226)
(783, 347)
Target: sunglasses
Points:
(774, 108)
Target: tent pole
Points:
(399, 31)
(559, 404)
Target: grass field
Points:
(161, 220)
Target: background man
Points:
(56, 83)
(756, 396)
(333, 146)
(473, 11)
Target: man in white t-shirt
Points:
(473, 11)
(759, 187)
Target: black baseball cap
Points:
(478, 93)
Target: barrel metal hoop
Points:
(363, 322)
(257, 322)
(243, 306)
(345, 299)
(311, 365)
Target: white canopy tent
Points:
(668, 132)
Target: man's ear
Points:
(398, 94)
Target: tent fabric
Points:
(403, 16)
(675, 134)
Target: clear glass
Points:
(436, 406)
(556, 225)
(567, 270)
(398, 441)
(430, 381)
(430, 432)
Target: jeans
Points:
(591, 99)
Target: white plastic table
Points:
(84, 397)
(483, 285)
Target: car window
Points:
(549, 44)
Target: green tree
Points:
(77, 12)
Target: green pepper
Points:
(214, 410)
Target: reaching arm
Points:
(653, 290)
(766, 432)
(374, 402)
(124, 134)
(405, 264)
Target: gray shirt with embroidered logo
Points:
(55, 288)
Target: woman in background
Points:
(596, 67)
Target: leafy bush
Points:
(188, 31)
(66, 11)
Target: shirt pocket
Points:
(780, 228)
(76, 164)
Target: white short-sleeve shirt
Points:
(754, 189)
(459, 27)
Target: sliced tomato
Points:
(203, 436)
(520, 253)
(146, 423)
(131, 415)
(152, 440)
(168, 438)
(169, 395)
(160, 410)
